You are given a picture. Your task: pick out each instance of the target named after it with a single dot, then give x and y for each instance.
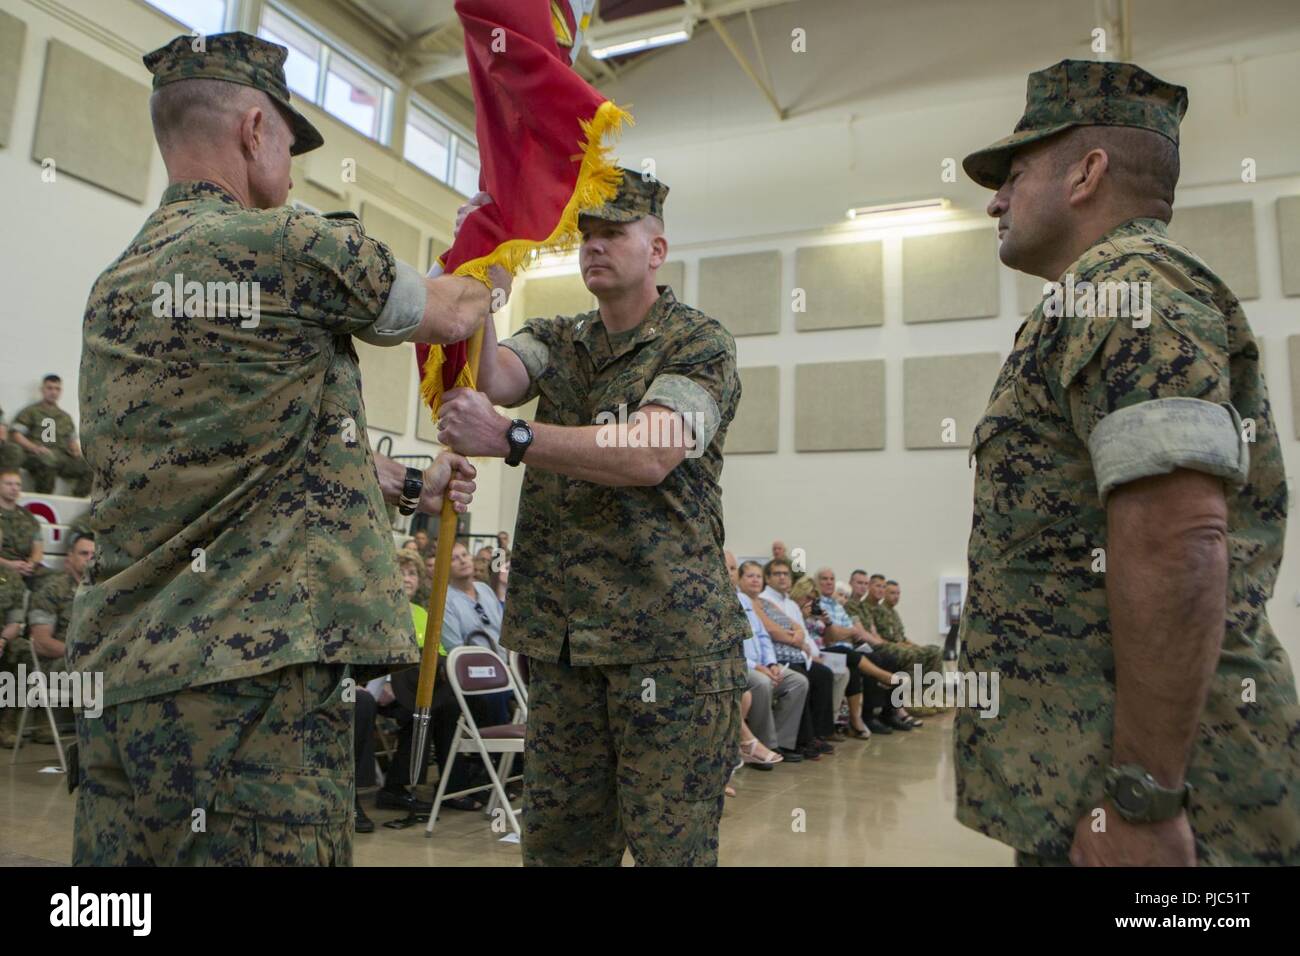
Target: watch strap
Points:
(412, 489)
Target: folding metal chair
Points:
(519, 668)
(49, 713)
(474, 671)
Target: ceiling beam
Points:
(743, 60)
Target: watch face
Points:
(1131, 795)
(518, 434)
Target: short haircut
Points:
(1144, 164)
(10, 471)
(51, 378)
(856, 573)
(80, 536)
(195, 109)
(877, 577)
(894, 583)
(824, 568)
(747, 564)
(767, 568)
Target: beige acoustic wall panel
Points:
(1223, 237)
(1029, 291)
(839, 406)
(1288, 234)
(951, 275)
(944, 397)
(386, 384)
(673, 275)
(12, 34)
(756, 427)
(743, 292)
(399, 235)
(94, 123)
(1293, 348)
(546, 297)
(319, 199)
(842, 286)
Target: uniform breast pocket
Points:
(620, 398)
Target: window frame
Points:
(229, 19)
(457, 134)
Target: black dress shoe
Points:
(878, 727)
(822, 746)
(898, 723)
(388, 800)
(791, 756)
(810, 752)
(361, 822)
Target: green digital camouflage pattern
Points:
(1036, 612)
(628, 574)
(860, 610)
(631, 756)
(637, 198)
(251, 772)
(890, 626)
(51, 603)
(12, 594)
(19, 529)
(234, 58)
(246, 442)
(35, 420)
(1082, 93)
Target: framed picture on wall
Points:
(952, 595)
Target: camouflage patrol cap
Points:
(236, 58)
(638, 196)
(1082, 93)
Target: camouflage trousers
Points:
(632, 756)
(257, 771)
(60, 465)
(12, 455)
(904, 655)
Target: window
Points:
(428, 143)
(302, 66)
(443, 153)
(332, 80)
(467, 164)
(201, 16)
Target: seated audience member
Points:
(499, 574)
(503, 540)
(22, 545)
(781, 617)
(779, 553)
(48, 438)
(482, 564)
(841, 593)
(410, 544)
(890, 626)
(777, 692)
(421, 539)
(473, 616)
(13, 594)
(823, 632)
(862, 609)
(48, 614)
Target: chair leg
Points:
(444, 776)
(497, 786)
(18, 742)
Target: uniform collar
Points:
(197, 190)
(1106, 248)
(591, 331)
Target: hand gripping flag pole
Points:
(541, 132)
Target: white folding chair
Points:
(48, 706)
(472, 672)
(519, 669)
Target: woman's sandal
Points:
(749, 754)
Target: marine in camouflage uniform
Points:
(1082, 406)
(13, 595)
(11, 453)
(619, 596)
(889, 625)
(245, 568)
(49, 426)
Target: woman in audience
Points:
(795, 650)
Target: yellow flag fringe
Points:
(598, 182)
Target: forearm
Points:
(836, 633)
(43, 641)
(26, 443)
(38, 553)
(599, 453)
(1166, 587)
(454, 307)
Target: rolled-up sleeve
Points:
(700, 383)
(529, 343)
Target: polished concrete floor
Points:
(885, 802)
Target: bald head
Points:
(225, 133)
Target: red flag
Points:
(541, 131)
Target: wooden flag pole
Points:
(447, 522)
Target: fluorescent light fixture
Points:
(606, 43)
(916, 205)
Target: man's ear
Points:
(1086, 176)
(252, 131)
(658, 251)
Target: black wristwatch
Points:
(1139, 799)
(412, 488)
(520, 437)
